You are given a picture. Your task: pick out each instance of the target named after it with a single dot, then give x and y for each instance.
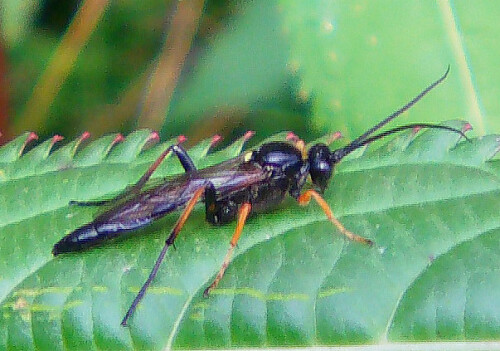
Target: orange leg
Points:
(170, 241)
(242, 217)
(305, 198)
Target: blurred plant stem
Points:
(180, 34)
(50, 82)
(4, 96)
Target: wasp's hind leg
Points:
(169, 242)
(305, 198)
(177, 149)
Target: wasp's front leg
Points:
(304, 200)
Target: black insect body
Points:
(253, 182)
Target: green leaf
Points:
(430, 204)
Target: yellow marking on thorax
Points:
(248, 156)
(301, 145)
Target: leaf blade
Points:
(268, 296)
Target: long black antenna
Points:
(365, 137)
(402, 109)
(410, 126)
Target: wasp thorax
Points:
(278, 156)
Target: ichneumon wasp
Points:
(253, 182)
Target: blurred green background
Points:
(201, 68)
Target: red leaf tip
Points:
(467, 127)
(416, 129)
(248, 134)
(215, 139)
(181, 139)
(31, 136)
(292, 136)
(85, 135)
(56, 138)
(154, 136)
(334, 136)
(118, 138)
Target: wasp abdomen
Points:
(76, 240)
(93, 233)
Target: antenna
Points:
(365, 138)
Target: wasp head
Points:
(320, 165)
